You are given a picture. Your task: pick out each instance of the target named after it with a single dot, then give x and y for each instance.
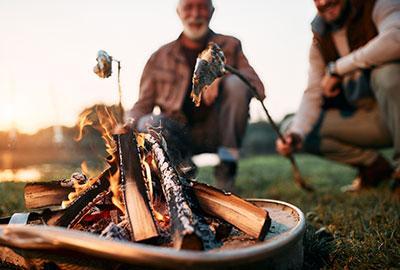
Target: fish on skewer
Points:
(210, 65)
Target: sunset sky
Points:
(48, 50)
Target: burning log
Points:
(135, 195)
(188, 230)
(245, 216)
(40, 195)
(76, 208)
(142, 181)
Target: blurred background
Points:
(48, 50)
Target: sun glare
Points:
(22, 175)
(7, 116)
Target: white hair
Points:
(209, 2)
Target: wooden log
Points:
(244, 215)
(188, 230)
(135, 194)
(75, 209)
(45, 194)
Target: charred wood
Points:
(188, 229)
(76, 207)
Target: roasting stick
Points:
(103, 69)
(211, 65)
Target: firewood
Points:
(188, 229)
(247, 217)
(134, 190)
(75, 209)
(45, 194)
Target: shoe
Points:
(225, 173)
(370, 176)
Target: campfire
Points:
(142, 197)
(144, 211)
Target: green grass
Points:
(352, 231)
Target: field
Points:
(350, 231)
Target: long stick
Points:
(296, 172)
(120, 108)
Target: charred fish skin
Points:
(201, 79)
(104, 64)
(210, 65)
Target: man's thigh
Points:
(385, 80)
(363, 128)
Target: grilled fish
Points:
(210, 65)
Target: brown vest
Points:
(360, 30)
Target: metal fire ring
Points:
(282, 248)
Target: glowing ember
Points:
(161, 218)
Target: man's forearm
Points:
(383, 48)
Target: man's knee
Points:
(385, 80)
(234, 90)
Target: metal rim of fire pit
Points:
(150, 255)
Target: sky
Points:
(48, 50)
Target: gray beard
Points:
(195, 36)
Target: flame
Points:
(107, 124)
(116, 191)
(83, 122)
(84, 168)
(150, 164)
(158, 216)
(79, 189)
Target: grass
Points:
(350, 231)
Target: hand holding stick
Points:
(210, 66)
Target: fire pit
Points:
(38, 246)
(144, 211)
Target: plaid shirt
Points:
(165, 78)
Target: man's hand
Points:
(211, 94)
(293, 143)
(330, 85)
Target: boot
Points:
(371, 176)
(225, 173)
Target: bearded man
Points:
(352, 102)
(219, 124)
